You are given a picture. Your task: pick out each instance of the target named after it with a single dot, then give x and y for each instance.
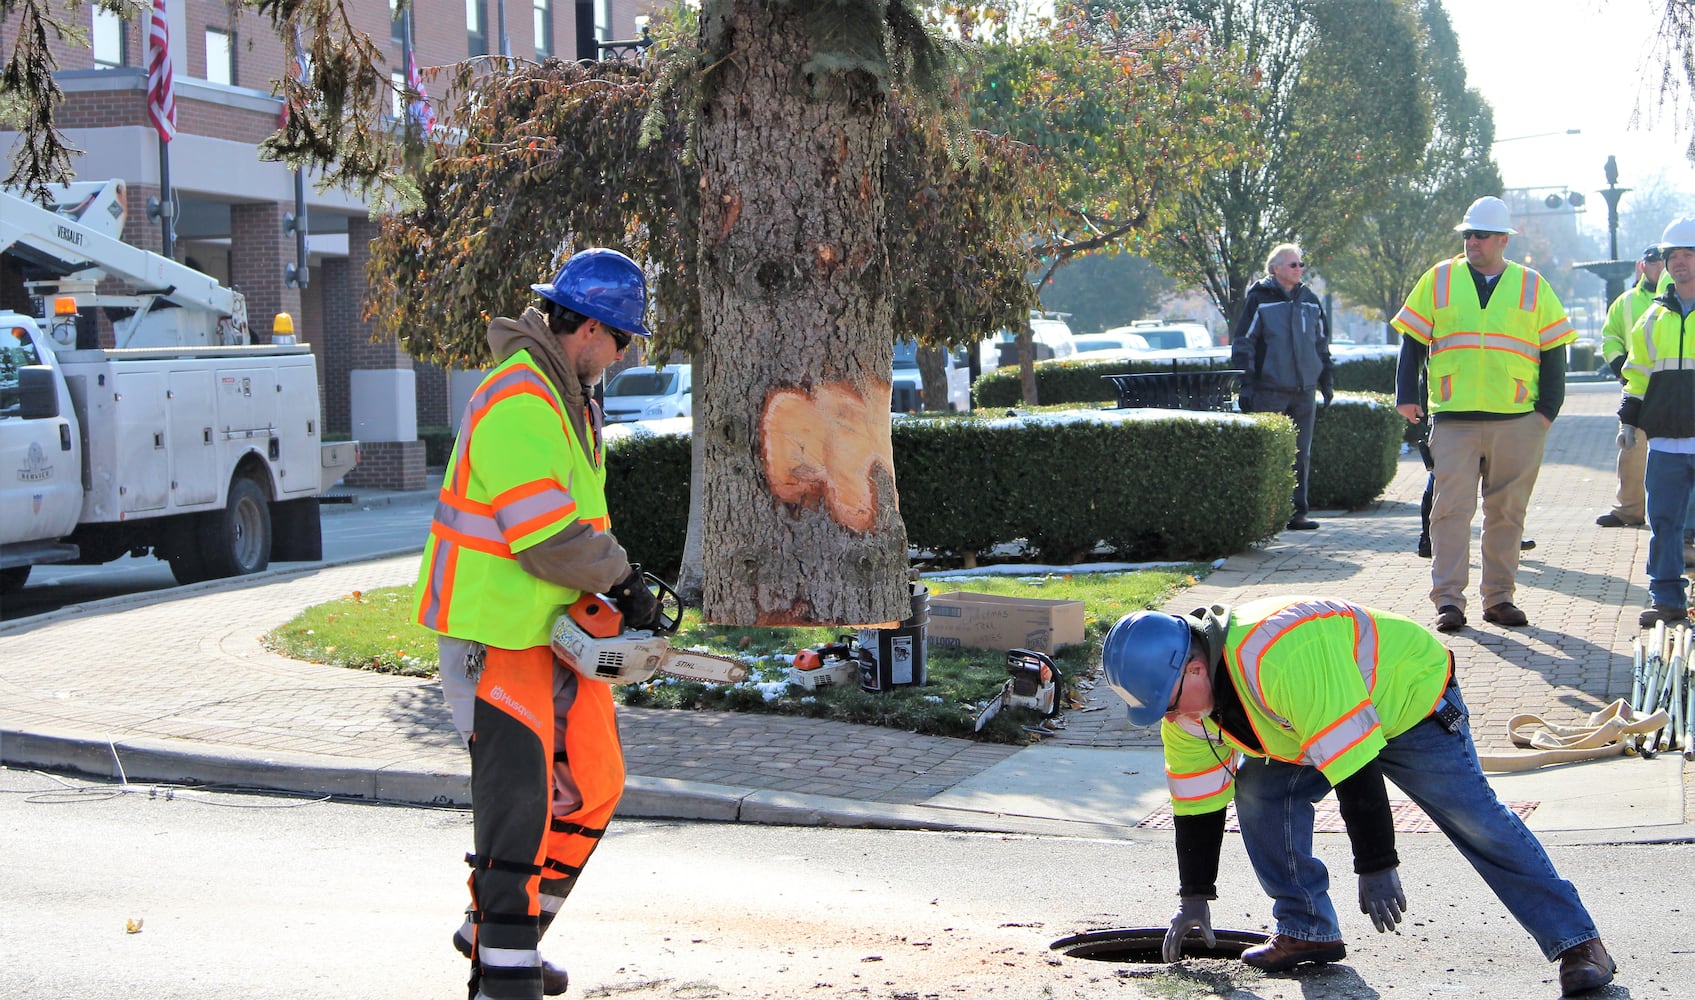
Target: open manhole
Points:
(1142, 945)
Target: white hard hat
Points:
(1679, 235)
(1487, 215)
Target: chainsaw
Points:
(1033, 682)
(591, 639)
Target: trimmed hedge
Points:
(647, 495)
(1150, 484)
(1080, 380)
(1356, 448)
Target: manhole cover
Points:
(1142, 945)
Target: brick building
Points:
(233, 210)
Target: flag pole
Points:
(165, 218)
(162, 111)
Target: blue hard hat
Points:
(604, 285)
(1143, 657)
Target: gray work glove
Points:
(639, 606)
(1192, 913)
(1626, 437)
(1381, 898)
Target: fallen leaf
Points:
(132, 925)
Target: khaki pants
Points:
(1632, 466)
(1504, 456)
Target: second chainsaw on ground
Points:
(591, 639)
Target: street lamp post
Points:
(1614, 272)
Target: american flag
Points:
(161, 96)
(302, 72)
(420, 110)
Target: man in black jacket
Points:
(1281, 342)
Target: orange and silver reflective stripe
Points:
(1269, 630)
(1342, 735)
(1200, 785)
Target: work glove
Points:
(1192, 913)
(1327, 393)
(1626, 437)
(637, 603)
(1381, 898)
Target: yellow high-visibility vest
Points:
(517, 476)
(1484, 360)
(1324, 682)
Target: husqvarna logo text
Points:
(498, 693)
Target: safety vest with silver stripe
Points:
(1323, 683)
(1484, 359)
(517, 477)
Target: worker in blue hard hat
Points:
(1277, 701)
(521, 531)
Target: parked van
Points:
(1049, 338)
(908, 387)
(648, 393)
(1162, 336)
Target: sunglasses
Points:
(620, 339)
(1177, 695)
(1295, 263)
(1476, 234)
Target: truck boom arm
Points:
(61, 246)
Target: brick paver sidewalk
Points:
(191, 671)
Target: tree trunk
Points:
(933, 374)
(690, 577)
(798, 501)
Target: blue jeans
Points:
(1439, 771)
(1671, 486)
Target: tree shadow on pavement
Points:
(423, 716)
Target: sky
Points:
(1553, 65)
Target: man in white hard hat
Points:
(1492, 335)
(1628, 508)
(1659, 405)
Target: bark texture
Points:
(798, 502)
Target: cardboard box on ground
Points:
(987, 621)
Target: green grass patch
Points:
(374, 631)
(365, 630)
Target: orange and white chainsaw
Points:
(591, 639)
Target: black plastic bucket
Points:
(895, 657)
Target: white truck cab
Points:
(184, 440)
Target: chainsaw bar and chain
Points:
(708, 668)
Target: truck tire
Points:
(13, 579)
(236, 541)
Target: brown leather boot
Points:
(1585, 967)
(1281, 952)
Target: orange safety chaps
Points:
(547, 771)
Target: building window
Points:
(109, 40)
(544, 28)
(397, 101)
(220, 56)
(476, 27)
(396, 23)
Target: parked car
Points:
(648, 393)
(1163, 336)
(1091, 342)
(907, 395)
(1051, 338)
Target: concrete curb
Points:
(143, 598)
(175, 763)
